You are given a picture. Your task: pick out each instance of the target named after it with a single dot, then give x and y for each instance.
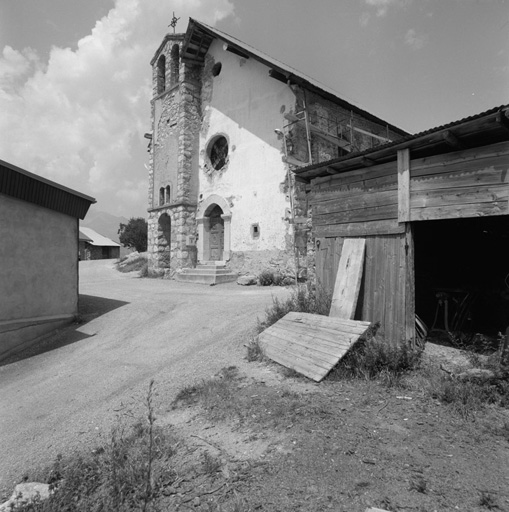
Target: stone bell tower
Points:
(174, 151)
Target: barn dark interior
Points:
(462, 275)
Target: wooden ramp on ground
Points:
(310, 344)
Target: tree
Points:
(134, 234)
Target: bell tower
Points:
(173, 172)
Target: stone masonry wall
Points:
(173, 161)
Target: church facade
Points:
(228, 125)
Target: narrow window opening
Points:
(255, 230)
(175, 65)
(161, 196)
(168, 194)
(161, 74)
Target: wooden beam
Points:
(367, 162)
(233, 49)
(293, 161)
(452, 140)
(278, 76)
(365, 132)
(502, 119)
(404, 185)
(320, 133)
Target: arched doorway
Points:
(216, 237)
(214, 224)
(164, 240)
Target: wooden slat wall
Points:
(386, 294)
(357, 203)
(469, 183)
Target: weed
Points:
(303, 298)
(265, 278)
(487, 500)
(418, 483)
(290, 373)
(127, 473)
(374, 358)
(211, 465)
(254, 351)
(132, 264)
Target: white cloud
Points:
(79, 119)
(414, 40)
(382, 6)
(364, 19)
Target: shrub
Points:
(266, 278)
(375, 358)
(132, 264)
(304, 298)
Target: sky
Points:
(75, 78)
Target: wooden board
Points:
(348, 278)
(310, 344)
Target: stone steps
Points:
(210, 273)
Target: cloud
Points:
(79, 118)
(415, 41)
(382, 6)
(364, 19)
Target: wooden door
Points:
(216, 235)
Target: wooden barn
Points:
(433, 210)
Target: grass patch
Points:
(135, 264)
(304, 298)
(127, 473)
(224, 398)
(374, 358)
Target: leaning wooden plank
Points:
(312, 350)
(348, 279)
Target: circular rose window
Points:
(218, 152)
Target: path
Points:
(138, 329)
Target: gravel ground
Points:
(66, 393)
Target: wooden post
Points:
(409, 286)
(403, 185)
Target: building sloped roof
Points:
(97, 239)
(199, 36)
(24, 185)
(488, 127)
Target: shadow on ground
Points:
(89, 307)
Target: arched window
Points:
(175, 65)
(168, 194)
(161, 74)
(161, 196)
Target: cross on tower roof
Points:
(173, 22)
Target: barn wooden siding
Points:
(468, 183)
(364, 203)
(381, 202)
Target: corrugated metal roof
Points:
(97, 239)
(24, 185)
(487, 127)
(292, 75)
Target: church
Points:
(229, 124)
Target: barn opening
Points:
(462, 276)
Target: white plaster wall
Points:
(245, 105)
(38, 260)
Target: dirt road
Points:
(135, 330)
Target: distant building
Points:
(93, 246)
(228, 124)
(38, 256)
